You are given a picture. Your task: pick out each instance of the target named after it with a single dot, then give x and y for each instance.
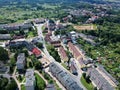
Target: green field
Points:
(23, 87)
(40, 83)
(88, 86)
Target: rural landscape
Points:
(59, 44)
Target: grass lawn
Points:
(23, 87)
(43, 27)
(40, 83)
(20, 78)
(30, 34)
(57, 87)
(64, 65)
(87, 85)
(50, 80)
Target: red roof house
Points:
(36, 51)
(63, 54)
(74, 51)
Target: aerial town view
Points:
(59, 44)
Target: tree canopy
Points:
(3, 54)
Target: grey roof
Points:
(99, 80)
(5, 36)
(20, 58)
(30, 78)
(50, 87)
(15, 26)
(64, 77)
(101, 68)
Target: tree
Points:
(53, 53)
(3, 83)
(38, 65)
(11, 86)
(88, 79)
(30, 64)
(84, 75)
(26, 52)
(39, 45)
(3, 54)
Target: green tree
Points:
(3, 54)
(12, 85)
(39, 45)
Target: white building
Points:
(20, 61)
(30, 79)
(73, 33)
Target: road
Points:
(40, 34)
(76, 78)
(14, 76)
(8, 76)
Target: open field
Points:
(85, 27)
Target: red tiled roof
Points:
(47, 37)
(75, 51)
(36, 51)
(62, 52)
(81, 62)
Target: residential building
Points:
(55, 41)
(51, 25)
(5, 37)
(30, 79)
(59, 27)
(26, 44)
(64, 77)
(77, 55)
(47, 37)
(18, 37)
(37, 40)
(20, 61)
(17, 26)
(36, 52)
(73, 33)
(50, 87)
(3, 68)
(52, 40)
(39, 21)
(15, 43)
(72, 65)
(99, 80)
(63, 54)
(107, 76)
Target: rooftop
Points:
(21, 58)
(5, 36)
(62, 52)
(54, 38)
(36, 51)
(30, 78)
(99, 80)
(64, 77)
(75, 51)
